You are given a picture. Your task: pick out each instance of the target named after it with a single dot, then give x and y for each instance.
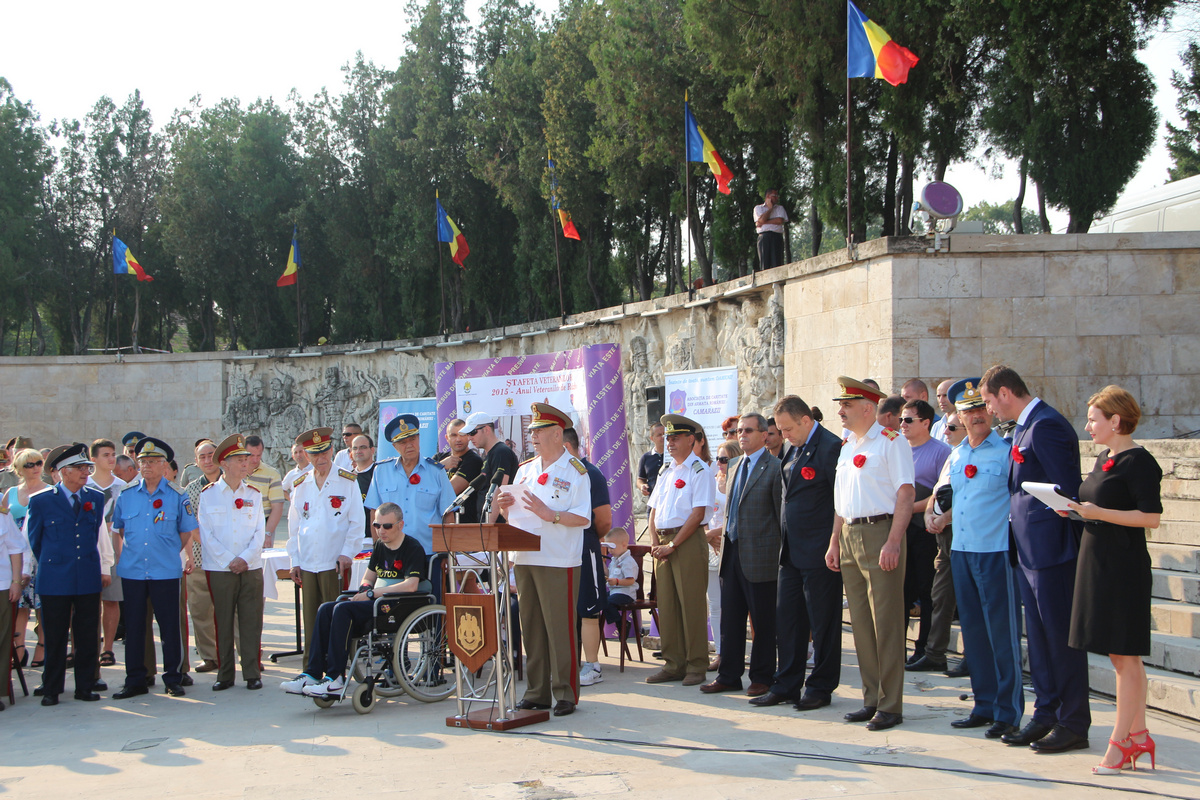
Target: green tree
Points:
(998, 218)
(1183, 143)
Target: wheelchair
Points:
(403, 652)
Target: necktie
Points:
(75, 503)
(735, 497)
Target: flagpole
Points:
(116, 303)
(562, 308)
(849, 220)
(137, 313)
(299, 331)
(687, 197)
(437, 238)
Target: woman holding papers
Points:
(1111, 610)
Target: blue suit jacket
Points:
(808, 504)
(65, 544)
(1050, 450)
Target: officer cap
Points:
(149, 447)
(234, 445)
(965, 394)
(69, 455)
(402, 427)
(677, 423)
(857, 390)
(132, 438)
(546, 415)
(318, 440)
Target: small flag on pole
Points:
(871, 53)
(288, 278)
(564, 216)
(449, 232)
(124, 262)
(699, 148)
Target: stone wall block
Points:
(1185, 354)
(948, 277)
(879, 281)
(983, 317)
(922, 317)
(1140, 354)
(1108, 316)
(1076, 355)
(1187, 272)
(1025, 354)
(1014, 276)
(1171, 314)
(1075, 274)
(1044, 316)
(949, 356)
(1141, 273)
(905, 276)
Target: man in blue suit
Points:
(64, 527)
(1045, 450)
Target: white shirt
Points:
(12, 542)
(290, 479)
(1024, 415)
(673, 504)
(343, 461)
(325, 522)
(228, 532)
(776, 213)
(870, 490)
(567, 489)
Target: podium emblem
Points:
(467, 630)
(472, 628)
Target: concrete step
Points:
(1172, 616)
(1186, 510)
(1166, 691)
(1176, 489)
(1173, 531)
(1176, 557)
(1171, 585)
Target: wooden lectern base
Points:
(485, 719)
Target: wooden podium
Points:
(478, 625)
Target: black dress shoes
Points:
(862, 715)
(254, 684)
(926, 664)
(883, 720)
(999, 729)
(39, 691)
(768, 699)
(529, 705)
(1060, 740)
(221, 686)
(1032, 731)
(915, 657)
(130, 691)
(49, 699)
(150, 680)
(87, 697)
(564, 708)
(100, 686)
(973, 721)
(959, 670)
(174, 689)
(810, 702)
(186, 680)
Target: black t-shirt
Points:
(599, 493)
(364, 483)
(648, 468)
(400, 564)
(500, 458)
(468, 469)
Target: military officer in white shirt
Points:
(682, 499)
(554, 486)
(872, 501)
(232, 530)
(325, 527)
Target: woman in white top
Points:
(715, 536)
(27, 464)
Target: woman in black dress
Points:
(1110, 612)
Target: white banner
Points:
(707, 396)
(512, 395)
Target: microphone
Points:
(491, 495)
(467, 492)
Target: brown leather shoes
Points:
(757, 690)
(693, 679)
(662, 676)
(208, 665)
(716, 687)
(715, 664)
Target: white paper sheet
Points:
(1048, 493)
(517, 514)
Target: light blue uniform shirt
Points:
(152, 542)
(980, 508)
(422, 502)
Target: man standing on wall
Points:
(769, 219)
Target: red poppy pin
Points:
(335, 502)
(1107, 465)
(87, 506)
(970, 470)
(158, 503)
(859, 460)
(1018, 456)
(545, 476)
(238, 503)
(414, 479)
(808, 473)
(398, 564)
(679, 484)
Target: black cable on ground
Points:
(846, 760)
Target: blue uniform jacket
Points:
(1049, 453)
(65, 544)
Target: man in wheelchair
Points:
(397, 565)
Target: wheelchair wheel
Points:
(380, 665)
(324, 702)
(421, 654)
(363, 698)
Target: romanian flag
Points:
(449, 232)
(124, 262)
(871, 53)
(699, 148)
(564, 216)
(288, 278)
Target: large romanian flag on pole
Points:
(871, 53)
(699, 148)
(124, 262)
(449, 232)
(564, 216)
(288, 277)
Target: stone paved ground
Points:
(627, 739)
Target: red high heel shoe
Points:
(1127, 758)
(1142, 747)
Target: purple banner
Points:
(586, 382)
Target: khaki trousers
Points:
(546, 597)
(316, 588)
(877, 613)
(681, 581)
(943, 599)
(237, 597)
(200, 606)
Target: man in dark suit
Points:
(810, 594)
(750, 562)
(1045, 450)
(64, 526)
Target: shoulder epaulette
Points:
(526, 461)
(891, 434)
(345, 473)
(175, 486)
(252, 486)
(299, 480)
(211, 485)
(42, 491)
(92, 489)
(697, 466)
(578, 465)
